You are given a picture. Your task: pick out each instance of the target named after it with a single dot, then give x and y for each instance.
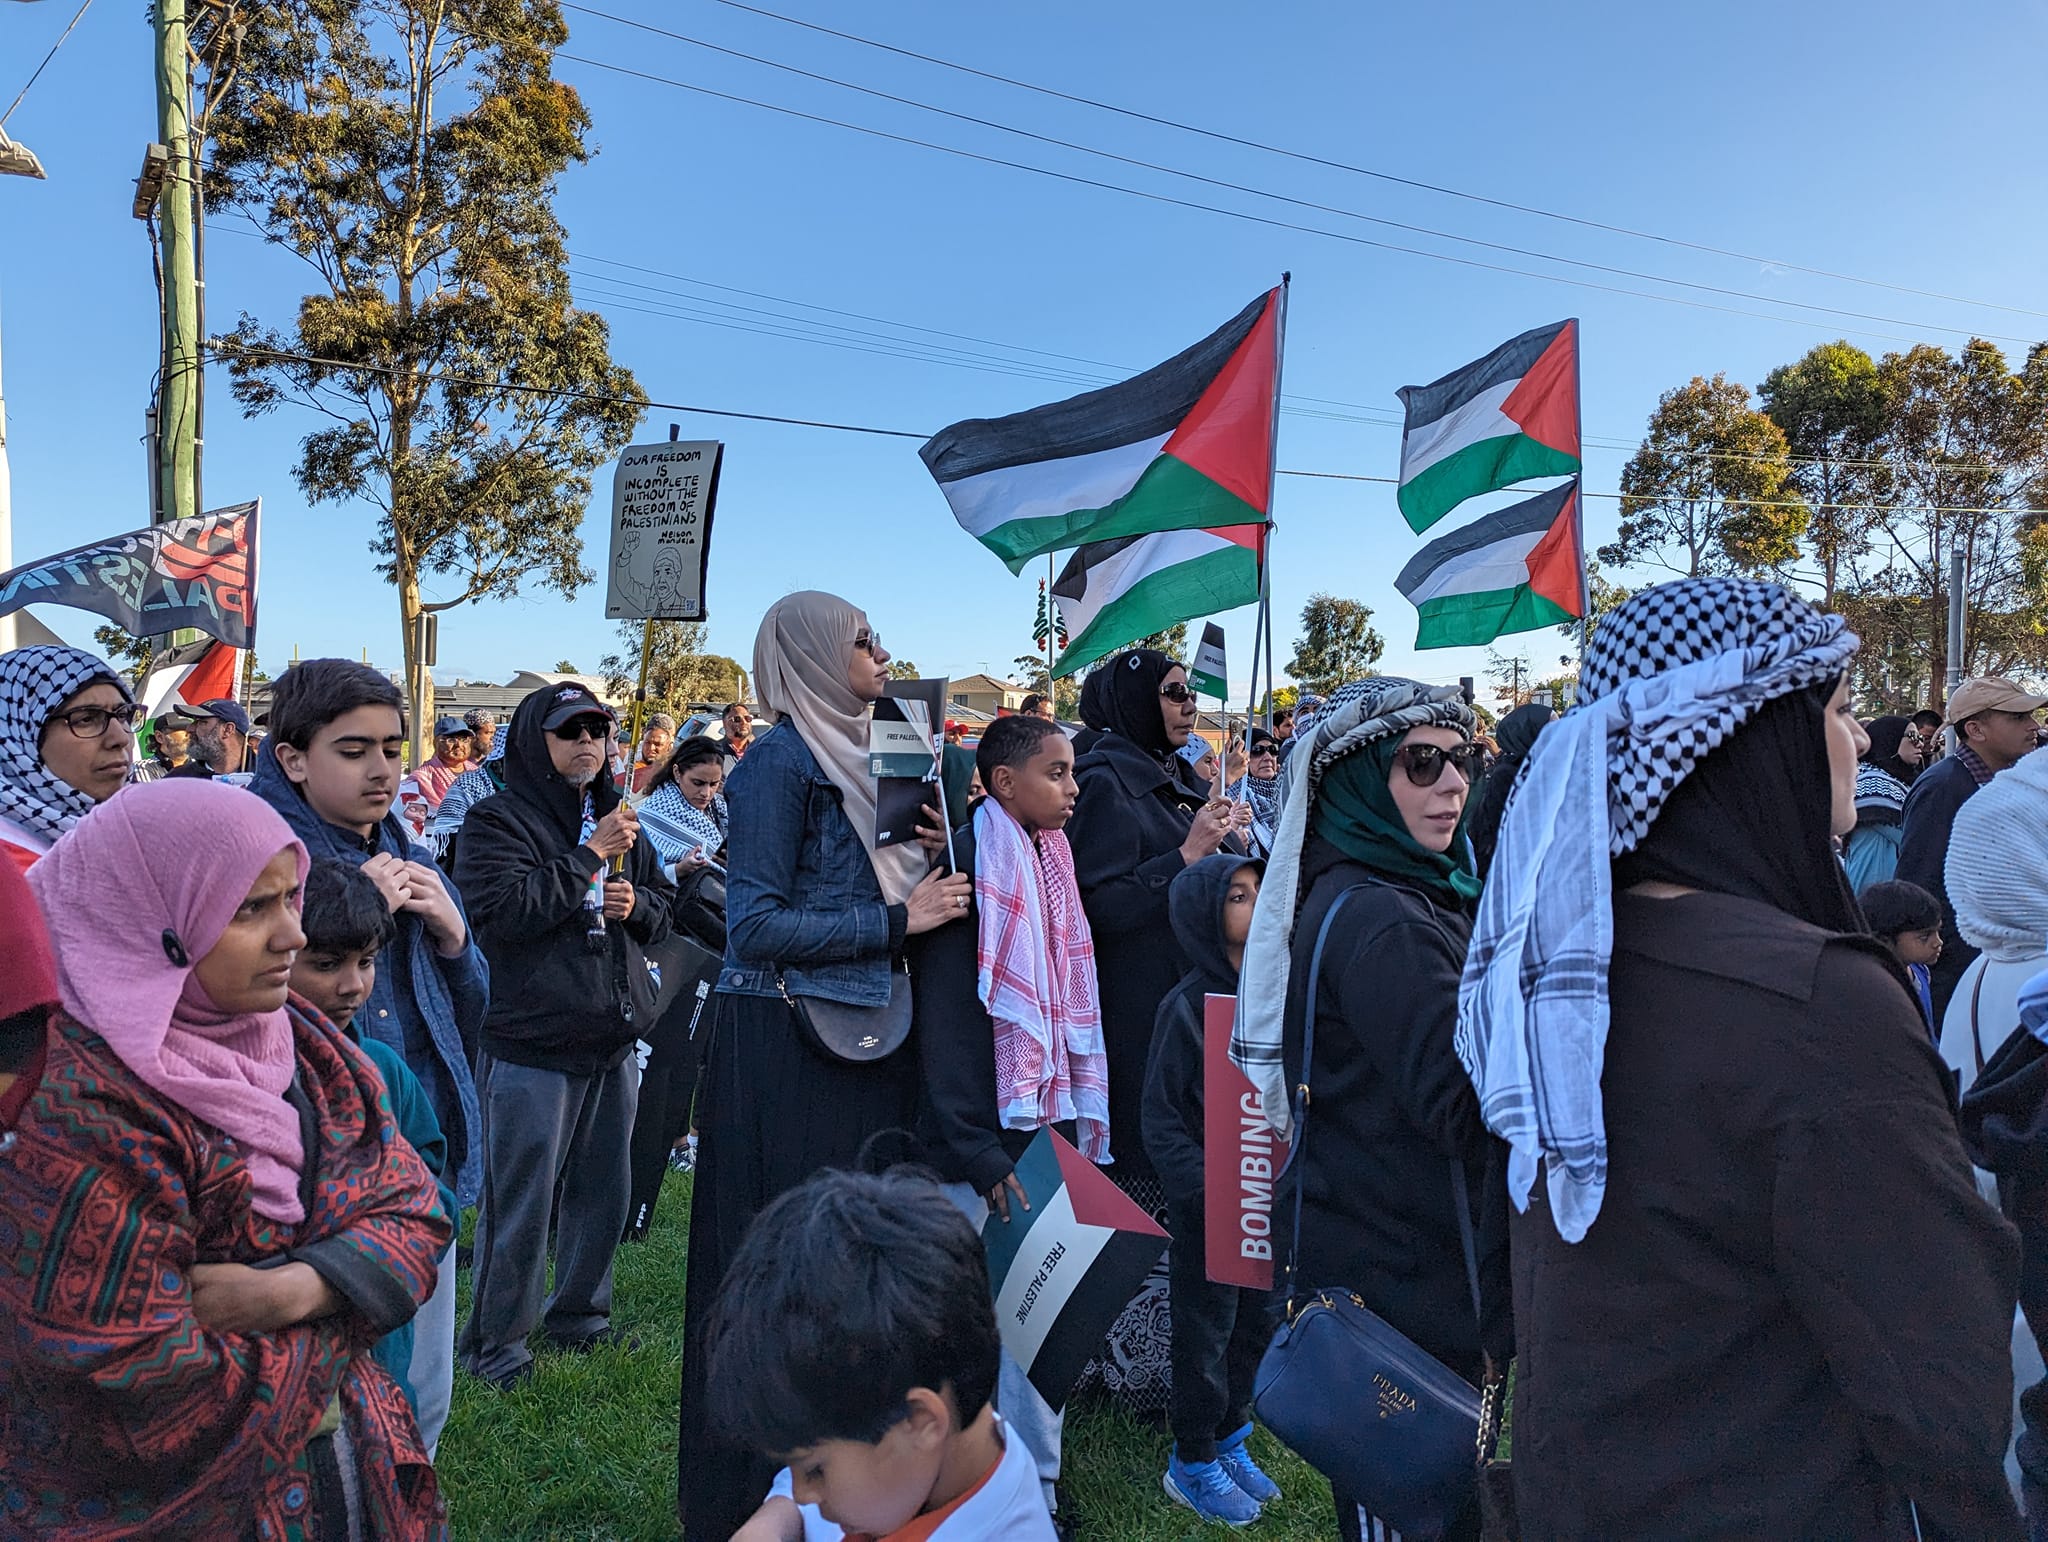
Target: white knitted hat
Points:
(1997, 870)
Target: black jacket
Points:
(963, 1136)
(1176, 1067)
(1793, 1313)
(1930, 818)
(555, 1005)
(1129, 821)
(1390, 1107)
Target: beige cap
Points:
(1990, 695)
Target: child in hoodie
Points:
(1219, 1331)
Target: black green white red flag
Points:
(1111, 593)
(1503, 419)
(1188, 445)
(1515, 570)
(1209, 674)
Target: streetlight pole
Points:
(178, 405)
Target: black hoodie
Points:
(523, 872)
(1174, 1070)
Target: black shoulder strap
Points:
(1976, 1031)
(1460, 1190)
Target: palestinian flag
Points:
(1112, 593)
(1506, 418)
(1066, 1267)
(1185, 446)
(1209, 674)
(185, 677)
(1515, 570)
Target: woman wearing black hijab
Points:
(1871, 850)
(1518, 731)
(1138, 821)
(1745, 1216)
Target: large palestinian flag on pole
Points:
(1515, 570)
(1112, 593)
(1187, 445)
(1503, 419)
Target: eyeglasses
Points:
(1425, 763)
(1176, 693)
(867, 642)
(91, 722)
(583, 728)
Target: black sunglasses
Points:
(582, 728)
(1425, 763)
(1176, 693)
(91, 722)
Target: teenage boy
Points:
(1016, 989)
(855, 1340)
(347, 924)
(331, 767)
(1219, 1331)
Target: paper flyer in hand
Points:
(905, 735)
(1066, 1267)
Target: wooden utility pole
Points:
(178, 428)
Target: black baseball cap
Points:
(573, 701)
(226, 711)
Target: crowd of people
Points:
(1631, 1044)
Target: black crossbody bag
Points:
(1353, 1396)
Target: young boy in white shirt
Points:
(855, 1339)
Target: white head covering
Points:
(800, 661)
(1997, 871)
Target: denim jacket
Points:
(801, 898)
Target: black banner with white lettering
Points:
(198, 573)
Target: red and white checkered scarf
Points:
(1036, 976)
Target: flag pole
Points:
(1264, 625)
(1051, 578)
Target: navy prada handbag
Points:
(1385, 1422)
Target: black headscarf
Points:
(1755, 819)
(1094, 708)
(1130, 704)
(1885, 734)
(1517, 735)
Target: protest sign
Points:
(663, 497)
(1065, 1268)
(1241, 1161)
(902, 794)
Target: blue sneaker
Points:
(1234, 1459)
(1206, 1489)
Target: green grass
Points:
(586, 1451)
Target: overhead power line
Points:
(449, 377)
(62, 37)
(1363, 171)
(1283, 198)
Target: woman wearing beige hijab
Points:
(811, 905)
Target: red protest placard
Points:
(1241, 1159)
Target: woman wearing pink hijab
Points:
(208, 1216)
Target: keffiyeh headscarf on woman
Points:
(131, 976)
(800, 660)
(34, 682)
(1357, 716)
(1671, 675)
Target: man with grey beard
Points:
(566, 900)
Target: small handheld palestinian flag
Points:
(1517, 569)
(1503, 419)
(1111, 593)
(1188, 445)
(1066, 1267)
(1209, 675)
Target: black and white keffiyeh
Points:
(34, 682)
(1355, 715)
(1670, 675)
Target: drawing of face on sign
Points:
(668, 577)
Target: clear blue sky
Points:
(1871, 138)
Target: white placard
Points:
(663, 496)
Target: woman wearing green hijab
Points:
(1373, 806)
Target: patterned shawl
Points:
(1670, 676)
(1358, 714)
(124, 1417)
(1036, 976)
(677, 826)
(34, 682)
